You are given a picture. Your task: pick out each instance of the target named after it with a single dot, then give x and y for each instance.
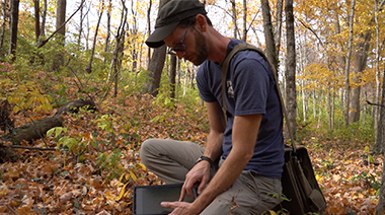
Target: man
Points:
(249, 148)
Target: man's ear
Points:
(201, 23)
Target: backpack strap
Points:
(225, 65)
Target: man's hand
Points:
(182, 208)
(199, 174)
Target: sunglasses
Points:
(180, 47)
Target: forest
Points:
(80, 91)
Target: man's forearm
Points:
(224, 178)
(213, 148)
(245, 132)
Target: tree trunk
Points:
(37, 19)
(134, 36)
(89, 66)
(278, 28)
(244, 37)
(360, 59)
(380, 148)
(4, 6)
(291, 95)
(119, 48)
(61, 18)
(269, 37)
(347, 66)
(80, 28)
(172, 77)
(13, 27)
(60, 26)
(156, 66)
(43, 19)
(149, 31)
(234, 9)
(107, 47)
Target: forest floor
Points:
(94, 163)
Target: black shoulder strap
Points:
(242, 47)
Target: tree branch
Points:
(43, 42)
(308, 27)
(375, 104)
(31, 148)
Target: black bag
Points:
(299, 184)
(298, 180)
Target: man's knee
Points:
(147, 151)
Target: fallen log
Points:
(38, 129)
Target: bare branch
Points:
(43, 42)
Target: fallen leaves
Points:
(98, 176)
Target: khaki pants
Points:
(251, 193)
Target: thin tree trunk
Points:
(61, 29)
(37, 19)
(89, 66)
(244, 37)
(173, 63)
(14, 24)
(134, 36)
(120, 36)
(80, 27)
(45, 41)
(149, 31)
(234, 9)
(378, 75)
(156, 66)
(43, 19)
(278, 28)
(347, 67)
(291, 94)
(304, 102)
(379, 148)
(268, 31)
(107, 47)
(314, 105)
(4, 5)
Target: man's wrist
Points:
(205, 158)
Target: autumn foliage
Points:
(91, 164)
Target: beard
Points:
(200, 47)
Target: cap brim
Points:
(155, 40)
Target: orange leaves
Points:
(347, 184)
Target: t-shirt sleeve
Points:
(251, 86)
(203, 84)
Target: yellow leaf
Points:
(110, 195)
(120, 179)
(142, 166)
(121, 192)
(4, 190)
(133, 176)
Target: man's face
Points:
(195, 45)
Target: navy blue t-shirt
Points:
(250, 89)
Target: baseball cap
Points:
(169, 17)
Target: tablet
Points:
(147, 199)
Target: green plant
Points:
(370, 180)
(70, 144)
(111, 163)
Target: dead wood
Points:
(6, 124)
(73, 106)
(37, 129)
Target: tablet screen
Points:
(147, 199)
